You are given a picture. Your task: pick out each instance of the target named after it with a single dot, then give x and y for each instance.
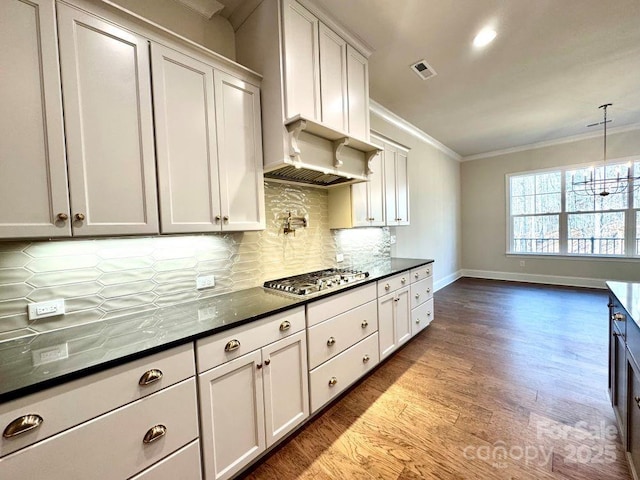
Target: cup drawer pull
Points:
(150, 376)
(232, 345)
(284, 326)
(154, 433)
(22, 424)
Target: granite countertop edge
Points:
(628, 295)
(19, 379)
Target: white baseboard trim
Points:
(533, 278)
(443, 282)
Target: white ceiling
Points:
(552, 64)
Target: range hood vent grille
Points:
(306, 176)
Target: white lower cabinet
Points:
(115, 445)
(334, 376)
(249, 403)
(421, 298)
(183, 464)
(394, 320)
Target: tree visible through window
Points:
(546, 216)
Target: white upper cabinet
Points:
(240, 153)
(109, 126)
(183, 96)
(301, 61)
(358, 93)
(33, 175)
(333, 79)
(396, 185)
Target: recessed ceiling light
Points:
(484, 37)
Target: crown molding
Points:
(411, 129)
(550, 143)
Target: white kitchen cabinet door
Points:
(360, 205)
(390, 195)
(239, 130)
(301, 61)
(286, 390)
(109, 126)
(231, 415)
(33, 172)
(394, 321)
(375, 192)
(403, 316)
(333, 79)
(402, 188)
(358, 93)
(183, 97)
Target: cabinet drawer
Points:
(335, 335)
(421, 316)
(212, 351)
(421, 273)
(334, 376)
(324, 309)
(395, 282)
(183, 464)
(72, 403)
(618, 315)
(421, 291)
(111, 446)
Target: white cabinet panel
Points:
(33, 174)
(390, 181)
(109, 126)
(394, 321)
(301, 61)
(326, 308)
(421, 316)
(402, 188)
(183, 464)
(358, 88)
(286, 388)
(183, 98)
(239, 153)
(333, 79)
(232, 415)
(375, 195)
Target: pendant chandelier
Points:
(600, 184)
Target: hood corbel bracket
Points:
(338, 145)
(294, 130)
(369, 156)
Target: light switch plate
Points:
(46, 309)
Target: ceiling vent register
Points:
(423, 70)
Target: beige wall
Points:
(484, 220)
(434, 183)
(215, 34)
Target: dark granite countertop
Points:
(104, 344)
(628, 294)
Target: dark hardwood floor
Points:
(509, 381)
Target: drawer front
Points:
(421, 273)
(324, 309)
(421, 291)
(183, 464)
(618, 315)
(225, 346)
(72, 403)
(390, 284)
(335, 335)
(111, 446)
(421, 316)
(334, 376)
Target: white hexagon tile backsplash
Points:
(105, 278)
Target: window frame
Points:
(632, 215)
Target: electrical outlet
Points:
(205, 281)
(206, 313)
(50, 354)
(339, 257)
(393, 239)
(45, 309)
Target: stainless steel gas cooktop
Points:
(313, 282)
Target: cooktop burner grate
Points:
(312, 282)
